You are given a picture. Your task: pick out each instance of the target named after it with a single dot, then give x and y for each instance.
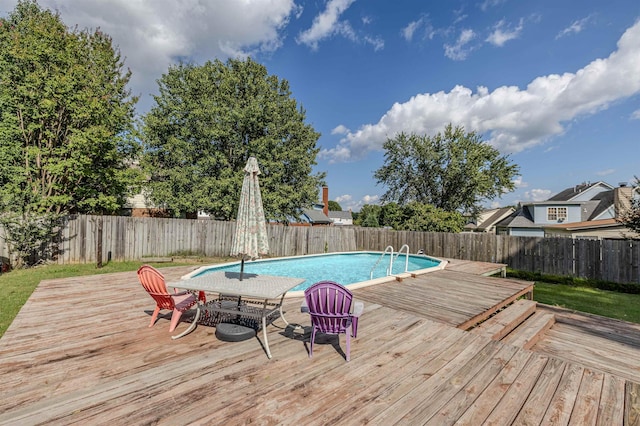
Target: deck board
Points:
(80, 351)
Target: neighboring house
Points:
(341, 218)
(319, 214)
(314, 217)
(585, 210)
(137, 206)
(487, 219)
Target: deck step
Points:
(506, 320)
(531, 331)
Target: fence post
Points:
(99, 227)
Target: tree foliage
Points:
(334, 206)
(631, 217)
(65, 117)
(65, 123)
(27, 236)
(369, 216)
(413, 216)
(453, 171)
(208, 120)
(428, 218)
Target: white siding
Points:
(526, 232)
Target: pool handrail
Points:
(387, 249)
(406, 259)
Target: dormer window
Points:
(556, 214)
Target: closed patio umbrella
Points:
(250, 239)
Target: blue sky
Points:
(555, 84)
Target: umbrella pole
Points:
(242, 267)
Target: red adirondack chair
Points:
(153, 281)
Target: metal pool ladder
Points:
(389, 250)
(406, 258)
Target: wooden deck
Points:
(80, 352)
(455, 298)
(601, 343)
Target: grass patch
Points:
(605, 298)
(632, 288)
(16, 286)
(606, 303)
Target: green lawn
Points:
(606, 303)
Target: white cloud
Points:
(423, 25)
(153, 35)
(408, 31)
(519, 183)
(460, 15)
(327, 24)
(486, 4)
(344, 198)
(575, 27)
(370, 199)
(347, 202)
(512, 119)
(340, 130)
(503, 33)
(460, 50)
(537, 195)
(635, 115)
(606, 172)
(376, 42)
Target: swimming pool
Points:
(353, 269)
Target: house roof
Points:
(494, 218)
(521, 218)
(604, 201)
(316, 216)
(491, 220)
(573, 191)
(587, 224)
(336, 214)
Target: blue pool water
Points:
(344, 268)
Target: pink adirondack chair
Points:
(329, 305)
(153, 281)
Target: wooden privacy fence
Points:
(132, 238)
(607, 259)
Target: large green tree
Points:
(453, 170)
(65, 117)
(207, 120)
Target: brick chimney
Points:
(325, 200)
(622, 198)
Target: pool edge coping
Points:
(362, 284)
